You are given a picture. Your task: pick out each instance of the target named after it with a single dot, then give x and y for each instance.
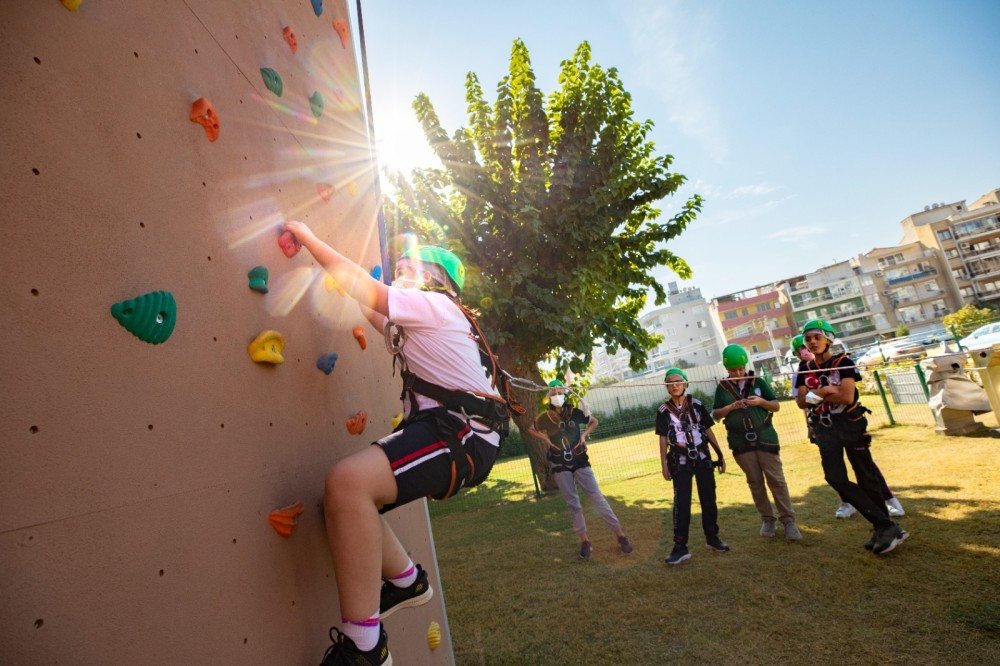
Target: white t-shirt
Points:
(439, 346)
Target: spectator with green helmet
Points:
(826, 386)
(449, 438)
(844, 510)
(684, 427)
(746, 404)
(559, 427)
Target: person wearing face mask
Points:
(559, 427)
(685, 430)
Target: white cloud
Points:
(672, 40)
(799, 235)
(754, 190)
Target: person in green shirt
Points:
(745, 405)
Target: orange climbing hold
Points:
(326, 191)
(356, 424)
(289, 35)
(203, 113)
(340, 25)
(284, 520)
(359, 335)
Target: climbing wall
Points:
(150, 152)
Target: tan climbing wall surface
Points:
(136, 479)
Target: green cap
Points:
(821, 325)
(555, 382)
(734, 356)
(675, 371)
(797, 343)
(446, 259)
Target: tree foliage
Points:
(968, 319)
(552, 204)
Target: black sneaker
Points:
(678, 554)
(393, 598)
(871, 540)
(889, 538)
(585, 549)
(344, 652)
(716, 544)
(625, 544)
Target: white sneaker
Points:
(845, 510)
(895, 508)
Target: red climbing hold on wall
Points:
(290, 245)
(340, 25)
(325, 191)
(284, 520)
(289, 35)
(203, 113)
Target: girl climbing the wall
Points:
(454, 420)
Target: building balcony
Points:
(902, 279)
(978, 232)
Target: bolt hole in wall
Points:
(38, 623)
(161, 573)
(36, 172)
(34, 292)
(38, 61)
(33, 430)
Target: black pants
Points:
(684, 480)
(851, 438)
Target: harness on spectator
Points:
(491, 410)
(687, 417)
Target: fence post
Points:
(881, 392)
(923, 380)
(534, 478)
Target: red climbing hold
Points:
(290, 245)
(284, 520)
(203, 113)
(340, 25)
(326, 191)
(289, 35)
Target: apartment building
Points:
(842, 295)
(689, 334)
(969, 239)
(759, 320)
(911, 286)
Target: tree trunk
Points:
(537, 449)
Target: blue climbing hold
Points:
(326, 362)
(317, 6)
(377, 272)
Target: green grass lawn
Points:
(516, 592)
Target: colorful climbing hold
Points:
(433, 635)
(267, 348)
(316, 104)
(203, 113)
(290, 245)
(325, 191)
(396, 420)
(340, 25)
(290, 38)
(272, 80)
(359, 335)
(317, 6)
(327, 362)
(352, 188)
(258, 278)
(72, 5)
(356, 424)
(284, 520)
(150, 317)
(377, 272)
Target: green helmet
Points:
(446, 259)
(820, 324)
(797, 343)
(675, 371)
(734, 356)
(555, 383)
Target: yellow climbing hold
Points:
(434, 635)
(352, 188)
(267, 348)
(332, 284)
(72, 5)
(396, 420)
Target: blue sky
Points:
(811, 129)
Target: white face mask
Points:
(557, 400)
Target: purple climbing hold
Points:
(326, 362)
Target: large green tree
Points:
(552, 203)
(968, 319)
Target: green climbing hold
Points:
(258, 279)
(272, 80)
(150, 317)
(316, 104)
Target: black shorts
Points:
(421, 460)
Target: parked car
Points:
(984, 336)
(897, 350)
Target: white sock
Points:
(364, 633)
(406, 577)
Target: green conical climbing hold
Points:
(272, 80)
(316, 104)
(150, 317)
